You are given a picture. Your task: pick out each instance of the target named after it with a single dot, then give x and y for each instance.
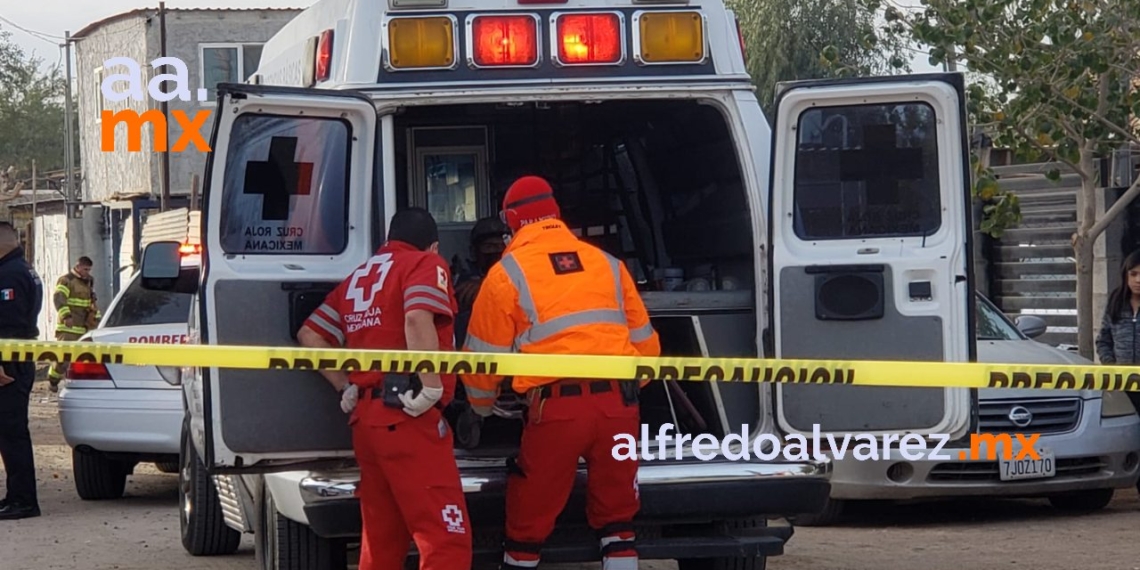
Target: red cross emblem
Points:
(452, 516)
(568, 262)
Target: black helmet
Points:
(491, 226)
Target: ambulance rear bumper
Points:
(671, 493)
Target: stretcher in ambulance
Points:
(840, 232)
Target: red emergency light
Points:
(589, 39)
(498, 41)
(324, 56)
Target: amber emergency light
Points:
(671, 37)
(588, 39)
(504, 41)
(418, 43)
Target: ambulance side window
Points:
(286, 186)
(867, 171)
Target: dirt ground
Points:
(140, 531)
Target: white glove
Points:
(422, 403)
(348, 398)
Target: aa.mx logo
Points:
(191, 125)
(1026, 444)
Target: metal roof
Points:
(152, 12)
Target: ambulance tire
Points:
(284, 544)
(204, 530)
(98, 478)
(757, 563)
(731, 527)
(831, 513)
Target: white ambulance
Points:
(842, 232)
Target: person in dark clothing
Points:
(1118, 341)
(21, 298)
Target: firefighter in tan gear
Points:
(76, 310)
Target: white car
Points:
(117, 416)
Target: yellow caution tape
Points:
(851, 372)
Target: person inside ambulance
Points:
(409, 489)
(553, 293)
(487, 245)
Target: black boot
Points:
(13, 511)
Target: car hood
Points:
(1028, 352)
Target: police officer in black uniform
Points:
(21, 297)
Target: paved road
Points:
(140, 531)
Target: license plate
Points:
(1028, 468)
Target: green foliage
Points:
(811, 39)
(31, 112)
(1060, 69)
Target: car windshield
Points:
(140, 306)
(992, 325)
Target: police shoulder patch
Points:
(566, 262)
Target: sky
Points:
(53, 17)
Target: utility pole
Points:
(69, 157)
(164, 202)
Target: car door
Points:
(871, 256)
(289, 214)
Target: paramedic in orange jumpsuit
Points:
(552, 293)
(409, 488)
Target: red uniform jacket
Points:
(366, 311)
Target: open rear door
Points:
(289, 210)
(871, 246)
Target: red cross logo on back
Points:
(567, 262)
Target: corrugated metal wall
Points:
(51, 263)
(165, 226)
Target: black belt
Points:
(575, 389)
(377, 393)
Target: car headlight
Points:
(1115, 404)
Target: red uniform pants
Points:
(560, 429)
(410, 491)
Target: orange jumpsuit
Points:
(555, 294)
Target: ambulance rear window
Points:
(286, 186)
(867, 171)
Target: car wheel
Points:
(729, 563)
(204, 531)
(167, 467)
(284, 544)
(96, 477)
(831, 513)
(1091, 500)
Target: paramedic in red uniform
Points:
(409, 488)
(552, 293)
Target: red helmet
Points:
(528, 200)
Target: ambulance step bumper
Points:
(674, 492)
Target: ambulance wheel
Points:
(284, 544)
(732, 527)
(757, 563)
(204, 531)
(832, 510)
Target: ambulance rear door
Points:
(292, 209)
(870, 230)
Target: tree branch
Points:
(1021, 131)
(1099, 116)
